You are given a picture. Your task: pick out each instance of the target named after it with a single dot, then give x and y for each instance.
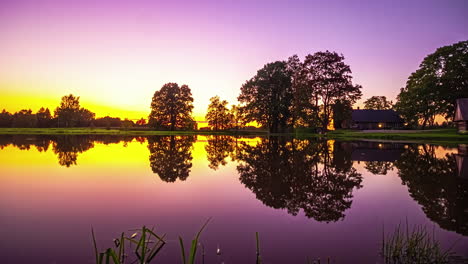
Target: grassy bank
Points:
(448, 135)
(116, 131)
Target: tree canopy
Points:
(218, 115)
(71, 114)
(378, 103)
(432, 90)
(171, 107)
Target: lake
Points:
(305, 197)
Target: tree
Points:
(237, 116)
(218, 149)
(141, 122)
(24, 118)
(329, 79)
(378, 103)
(433, 88)
(218, 115)
(267, 97)
(70, 114)
(171, 107)
(44, 118)
(299, 174)
(6, 119)
(171, 157)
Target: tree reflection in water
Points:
(299, 174)
(171, 156)
(218, 149)
(433, 182)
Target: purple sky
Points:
(115, 54)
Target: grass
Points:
(116, 131)
(416, 247)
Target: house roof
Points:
(376, 116)
(461, 113)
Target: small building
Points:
(461, 115)
(376, 119)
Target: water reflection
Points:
(299, 174)
(436, 185)
(218, 148)
(313, 176)
(171, 156)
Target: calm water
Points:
(306, 198)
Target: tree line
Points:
(68, 114)
(316, 93)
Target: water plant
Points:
(417, 246)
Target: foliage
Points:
(433, 89)
(6, 119)
(299, 174)
(24, 118)
(71, 114)
(145, 248)
(171, 107)
(44, 118)
(218, 149)
(218, 115)
(266, 98)
(171, 156)
(378, 103)
(413, 247)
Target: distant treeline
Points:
(68, 114)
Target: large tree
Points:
(442, 78)
(266, 98)
(171, 107)
(44, 118)
(378, 103)
(328, 79)
(218, 115)
(70, 113)
(24, 118)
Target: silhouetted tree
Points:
(218, 115)
(171, 107)
(141, 122)
(298, 174)
(218, 149)
(378, 103)
(171, 156)
(434, 184)
(329, 79)
(267, 97)
(435, 86)
(6, 119)
(378, 167)
(342, 111)
(44, 118)
(67, 148)
(70, 114)
(24, 118)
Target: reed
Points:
(416, 246)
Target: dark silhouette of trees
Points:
(267, 97)
(44, 118)
(435, 86)
(378, 103)
(378, 167)
(141, 122)
(434, 184)
(299, 174)
(171, 156)
(218, 115)
(24, 118)
(6, 119)
(218, 149)
(300, 94)
(171, 107)
(67, 148)
(329, 79)
(70, 114)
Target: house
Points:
(377, 151)
(375, 119)
(461, 115)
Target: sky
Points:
(115, 54)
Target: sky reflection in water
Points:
(305, 197)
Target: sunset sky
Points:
(116, 54)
